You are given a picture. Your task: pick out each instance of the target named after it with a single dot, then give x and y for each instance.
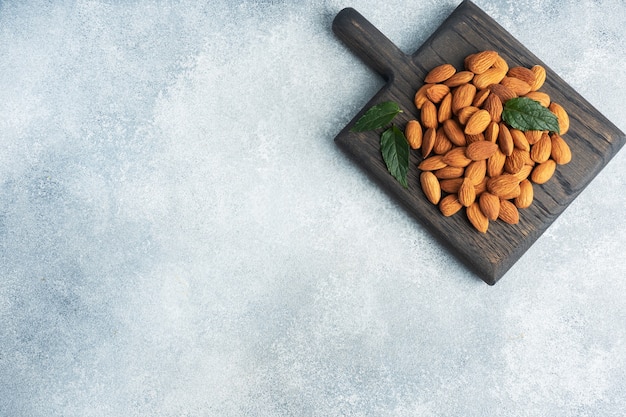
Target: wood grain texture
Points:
(594, 140)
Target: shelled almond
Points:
(474, 160)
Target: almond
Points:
(513, 193)
(442, 143)
(482, 186)
(541, 150)
(508, 212)
(525, 199)
(489, 205)
(465, 113)
(503, 92)
(413, 133)
(428, 141)
(481, 61)
(480, 97)
(469, 139)
(478, 122)
(449, 172)
(456, 157)
(440, 74)
(561, 152)
(430, 186)
(540, 97)
(515, 162)
(491, 76)
(420, 96)
(540, 77)
(500, 62)
(502, 184)
(463, 96)
(461, 77)
(524, 172)
(519, 140)
(445, 108)
(476, 171)
(522, 73)
(437, 92)
(478, 151)
(527, 159)
(479, 161)
(467, 193)
(452, 185)
(495, 164)
(429, 115)
(494, 106)
(467, 59)
(533, 136)
(454, 132)
(432, 163)
(562, 117)
(518, 86)
(492, 131)
(505, 140)
(477, 218)
(450, 205)
(543, 172)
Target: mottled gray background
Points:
(180, 236)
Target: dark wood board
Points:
(594, 140)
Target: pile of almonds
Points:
(472, 158)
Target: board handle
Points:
(367, 42)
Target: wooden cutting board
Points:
(593, 139)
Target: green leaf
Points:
(376, 117)
(525, 114)
(395, 150)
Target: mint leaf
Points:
(525, 114)
(395, 150)
(377, 117)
